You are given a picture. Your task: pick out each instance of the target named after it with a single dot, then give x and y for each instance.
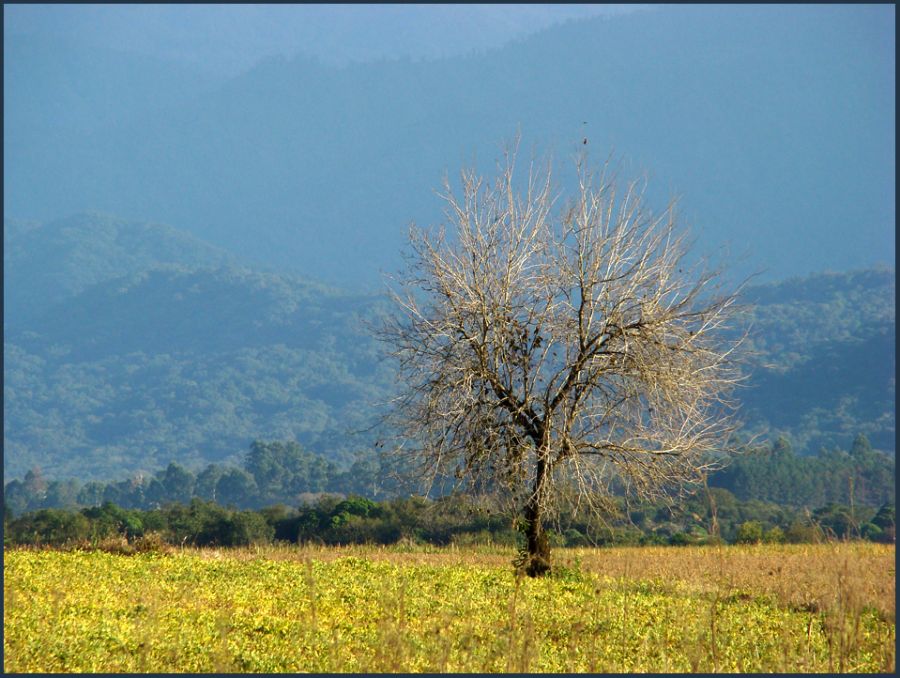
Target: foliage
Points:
(335, 520)
(47, 263)
(825, 359)
(777, 474)
(189, 364)
(750, 532)
(191, 360)
(272, 472)
(51, 527)
(285, 471)
(748, 491)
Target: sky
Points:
(774, 122)
(225, 40)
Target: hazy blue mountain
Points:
(775, 123)
(792, 316)
(79, 87)
(134, 343)
(170, 310)
(121, 414)
(160, 358)
(47, 263)
(226, 39)
(63, 100)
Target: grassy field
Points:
(819, 608)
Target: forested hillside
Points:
(140, 346)
(47, 263)
(824, 359)
(166, 359)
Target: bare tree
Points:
(547, 350)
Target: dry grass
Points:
(814, 576)
(803, 576)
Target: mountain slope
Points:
(128, 344)
(159, 361)
(190, 365)
(775, 124)
(825, 359)
(187, 310)
(231, 38)
(47, 263)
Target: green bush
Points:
(680, 539)
(575, 538)
(248, 528)
(749, 532)
(774, 535)
(50, 527)
(872, 532)
(803, 533)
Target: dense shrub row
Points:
(331, 519)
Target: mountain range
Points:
(142, 345)
(224, 40)
(775, 125)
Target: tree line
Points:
(282, 472)
(776, 473)
(283, 493)
(271, 473)
(712, 517)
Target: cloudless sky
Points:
(227, 39)
(776, 123)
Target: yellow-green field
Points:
(817, 608)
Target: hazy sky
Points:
(774, 122)
(226, 39)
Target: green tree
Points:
(62, 493)
(51, 527)
(836, 520)
(178, 483)
(750, 532)
(284, 470)
(200, 523)
(109, 520)
(207, 482)
(16, 497)
(247, 528)
(885, 520)
(236, 487)
(774, 535)
(91, 493)
(35, 486)
(860, 448)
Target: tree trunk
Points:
(538, 548)
(538, 562)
